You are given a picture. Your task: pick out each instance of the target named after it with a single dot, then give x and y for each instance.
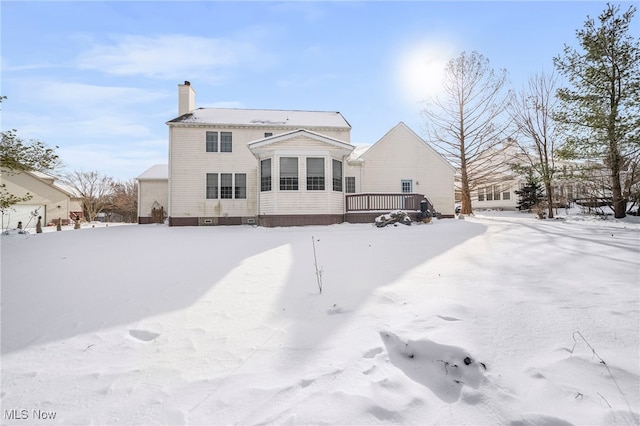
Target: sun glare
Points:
(420, 69)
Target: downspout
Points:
(258, 193)
(140, 199)
(169, 181)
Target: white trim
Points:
(260, 143)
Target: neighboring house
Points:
(281, 168)
(153, 194)
(50, 200)
(499, 191)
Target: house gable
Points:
(300, 139)
(402, 161)
(52, 201)
(405, 135)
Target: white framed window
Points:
(315, 174)
(480, 194)
(226, 142)
(496, 192)
(226, 186)
(212, 186)
(407, 186)
(240, 186)
(506, 194)
(489, 194)
(218, 142)
(265, 175)
(350, 184)
(211, 144)
(288, 173)
(337, 175)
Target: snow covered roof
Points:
(41, 175)
(155, 172)
(264, 117)
(53, 182)
(68, 189)
(358, 151)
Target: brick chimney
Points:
(186, 98)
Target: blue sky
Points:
(99, 79)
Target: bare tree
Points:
(531, 112)
(94, 189)
(124, 199)
(469, 121)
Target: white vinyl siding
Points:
(151, 192)
(399, 155)
(188, 165)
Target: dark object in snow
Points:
(425, 214)
(468, 361)
(39, 225)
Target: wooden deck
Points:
(384, 202)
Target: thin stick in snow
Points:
(593, 351)
(315, 259)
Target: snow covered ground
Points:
(498, 319)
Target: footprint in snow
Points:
(448, 318)
(443, 369)
(372, 353)
(143, 335)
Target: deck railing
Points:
(384, 202)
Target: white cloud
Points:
(84, 95)
(299, 81)
(419, 69)
(112, 159)
(171, 57)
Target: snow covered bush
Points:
(396, 216)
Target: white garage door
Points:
(25, 213)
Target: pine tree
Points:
(600, 107)
(530, 196)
